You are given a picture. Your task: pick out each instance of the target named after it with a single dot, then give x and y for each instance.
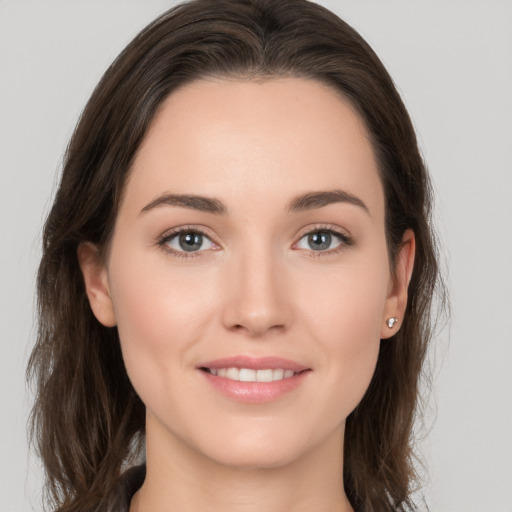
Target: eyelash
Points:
(166, 238)
(346, 240)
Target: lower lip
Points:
(255, 392)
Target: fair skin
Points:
(310, 284)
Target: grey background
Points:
(452, 62)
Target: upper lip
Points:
(254, 363)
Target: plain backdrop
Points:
(451, 61)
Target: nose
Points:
(257, 297)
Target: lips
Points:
(254, 380)
(254, 363)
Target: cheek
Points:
(346, 303)
(344, 316)
(160, 314)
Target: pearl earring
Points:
(392, 321)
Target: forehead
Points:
(263, 140)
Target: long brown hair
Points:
(87, 420)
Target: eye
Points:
(187, 241)
(323, 240)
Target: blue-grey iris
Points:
(190, 241)
(319, 240)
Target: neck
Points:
(179, 478)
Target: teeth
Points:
(233, 374)
(265, 375)
(277, 374)
(249, 375)
(246, 375)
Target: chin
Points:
(261, 449)
(256, 458)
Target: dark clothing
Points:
(128, 485)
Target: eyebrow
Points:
(315, 200)
(309, 201)
(201, 203)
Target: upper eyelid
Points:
(187, 229)
(345, 241)
(162, 239)
(303, 231)
(322, 227)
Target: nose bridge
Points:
(257, 298)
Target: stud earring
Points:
(392, 321)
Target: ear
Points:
(396, 301)
(96, 283)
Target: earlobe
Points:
(396, 301)
(96, 283)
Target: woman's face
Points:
(250, 245)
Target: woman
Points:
(237, 273)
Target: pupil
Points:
(191, 241)
(319, 240)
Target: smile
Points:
(254, 380)
(251, 375)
